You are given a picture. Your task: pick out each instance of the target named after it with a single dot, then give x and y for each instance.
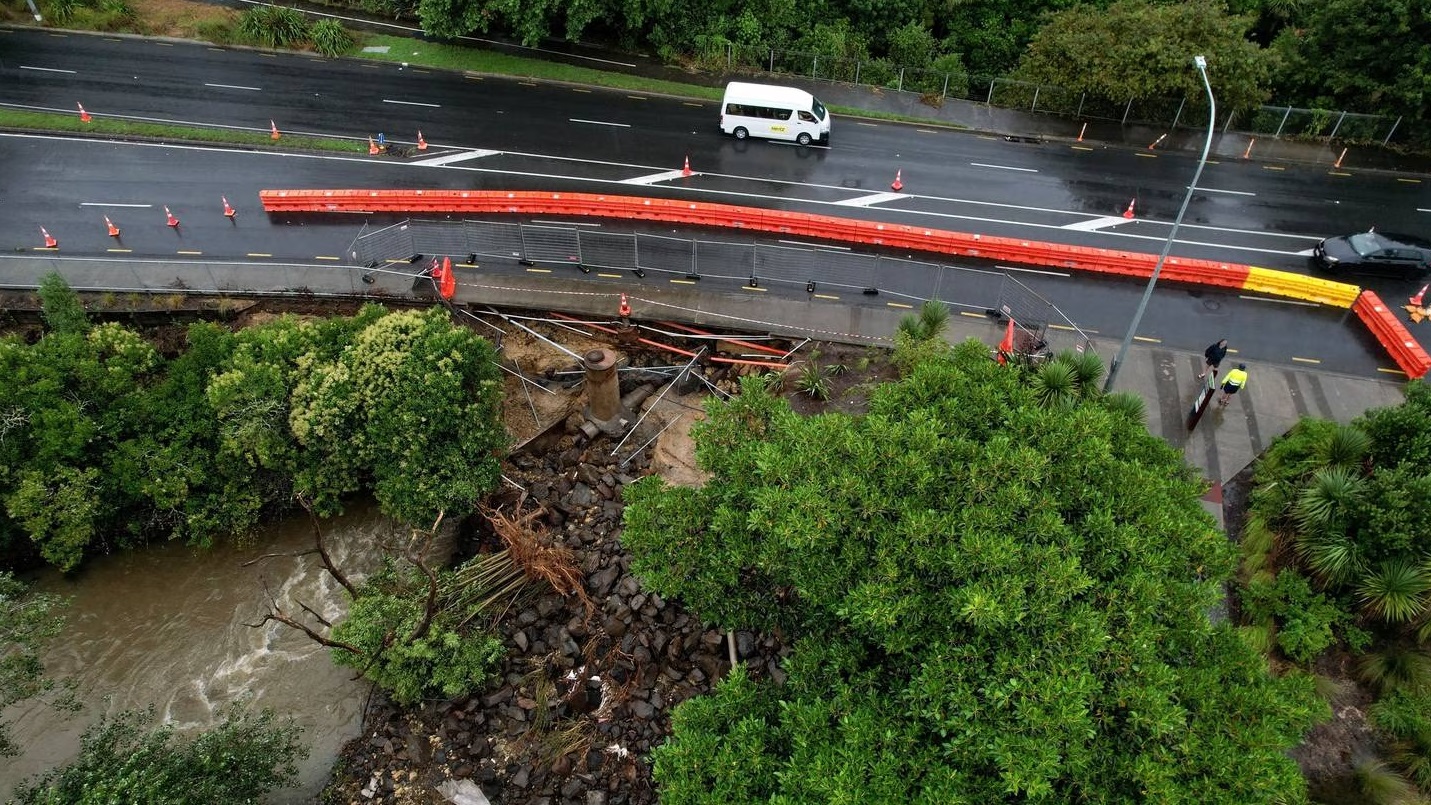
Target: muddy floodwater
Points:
(167, 627)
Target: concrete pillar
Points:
(603, 389)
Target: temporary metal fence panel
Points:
(666, 254)
(722, 260)
(550, 244)
(821, 266)
(1034, 313)
(969, 288)
(439, 238)
(389, 243)
(494, 240)
(906, 278)
(607, 249)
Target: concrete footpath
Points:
(1226, 440)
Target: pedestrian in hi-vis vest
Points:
(1213, 356)
(1235, 381)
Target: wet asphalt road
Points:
(553, 137)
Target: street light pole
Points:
(1201, 64)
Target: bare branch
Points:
(258, 559)
(323, 549)
(312, 635)
(315, 615)
(430, 609)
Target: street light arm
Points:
(1201, 64)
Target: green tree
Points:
(27, 622)
(122, 759)
(989, 601)
(61, 306)
(1144, 49)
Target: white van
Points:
(781, 113)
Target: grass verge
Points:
(52, 121)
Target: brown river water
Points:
(166, 626)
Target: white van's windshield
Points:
(819, 109)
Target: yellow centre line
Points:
(683, 282)
(1080, 148)
(1273, 168)
(259, 254)
(320, 61)
(971, 315)
(188, 251)
(527, 83)
(46, 249)
(697, 105)
(539, 271)
(1149, 340)
(394, 260)
(120, 251)
(1213, 162)
(1305, 360)
(473, 77)
(1141, 154)
(1391, 371)
(459, 265)
(325, 257)
(217, 50)
(579, 89)
(900, 304)
(1338, 173)
(1408, 181)
(826, 296)
(609, 276)
(636, 97)
(755, 290)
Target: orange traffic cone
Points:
(170, 219)
(372, 147)
(421, 143)
(1421, 294)
(624, 309)
(228, 211)
(1128, 213)
(113, 230)
(896, 185)
(686, 170)
(273, 130)
(50, 241)
(84, 116)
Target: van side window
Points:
(806, 116)
(782, 114)
(734, 109)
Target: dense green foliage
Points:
(990, 598)
(105, 443)
(1303, 618)
(122, 759)
(27, 622)
(409, 658)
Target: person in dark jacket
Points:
(1214, 355)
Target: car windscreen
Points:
(818, 108)
(1365, 243)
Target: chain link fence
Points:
(906, 283)
(931, 87)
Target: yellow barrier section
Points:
(1301, 286)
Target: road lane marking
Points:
(1338, 173)
(870, 125)
(1149, 156)
(637, 97)
(1096, 224)
(1003, 167)
(235, 86)
(865, 201)
(972, 315)
(1229, 192)
(1080, 148)
(217, 50)
(325, 257)
(527, 83)
(110, 204)
(413, 103)
(608, 276)
(448, 159)
(120, 251)
(753, 289)
(1273, 168)
(831, 297)
(814, 245)
(599, 122)
(653, 178)
(682, 282)
(539, 271)
(1305, 360)
(188, 251)
(1251, 298)
(925, 131)
(1408, 181)
(259, 254)
(424, 72)
(1149, 340)
(269, 55)
(1390, 371)
(581, 89)
(697, 105)
(1422, 209)
(1072, 329)
(46, 69)
(1035, 271)
(170, 44)
(900, 305)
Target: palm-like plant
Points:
(1087, 366)
(1055, 385)
(1127, 404)
(1325, 505)
(1381, 785)
(1346, 446)
(931, 322)
(1395, 591)
(1396, 668)
(1334, 557)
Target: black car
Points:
(1375, 253)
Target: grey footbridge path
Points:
(1226, 440)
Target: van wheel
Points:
(803, 139)
(740, 133)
